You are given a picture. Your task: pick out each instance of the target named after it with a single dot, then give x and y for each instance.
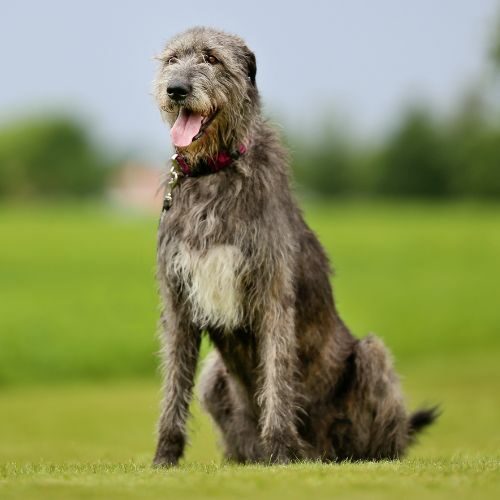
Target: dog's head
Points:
(206, 90)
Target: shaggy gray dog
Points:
(286, 380)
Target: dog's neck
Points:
(210, 165)
(182, 168)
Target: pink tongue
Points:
(186, 126)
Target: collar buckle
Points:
(174, 176)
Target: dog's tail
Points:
(422, 419)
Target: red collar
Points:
(212, 165)
(181, 168)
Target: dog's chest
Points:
(211, 282)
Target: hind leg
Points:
(380, 421)
(374, 423)
(225, 402)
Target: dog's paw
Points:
(284, 449)
(280, 457)
(169, 451)
(165, 462)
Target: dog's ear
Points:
(251, 64)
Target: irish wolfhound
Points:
(286, 380)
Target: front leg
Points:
(181, 345)
(278, 396)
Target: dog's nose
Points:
(178, 90)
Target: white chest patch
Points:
(212, 281)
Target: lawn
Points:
(88, 440)
(79, 394)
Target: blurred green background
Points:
(411, 221)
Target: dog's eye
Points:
(211, 59)
(172, 60)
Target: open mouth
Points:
(189, 126)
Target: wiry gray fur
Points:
(286, 379)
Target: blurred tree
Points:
(51, 156)
(325, 165)
(473, 150)
(423, 157)
(413, 161)
(495, 45)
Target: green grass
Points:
(414, 479)
(79, 396)
(96, 441)
(78, 295)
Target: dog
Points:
(286, 380)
